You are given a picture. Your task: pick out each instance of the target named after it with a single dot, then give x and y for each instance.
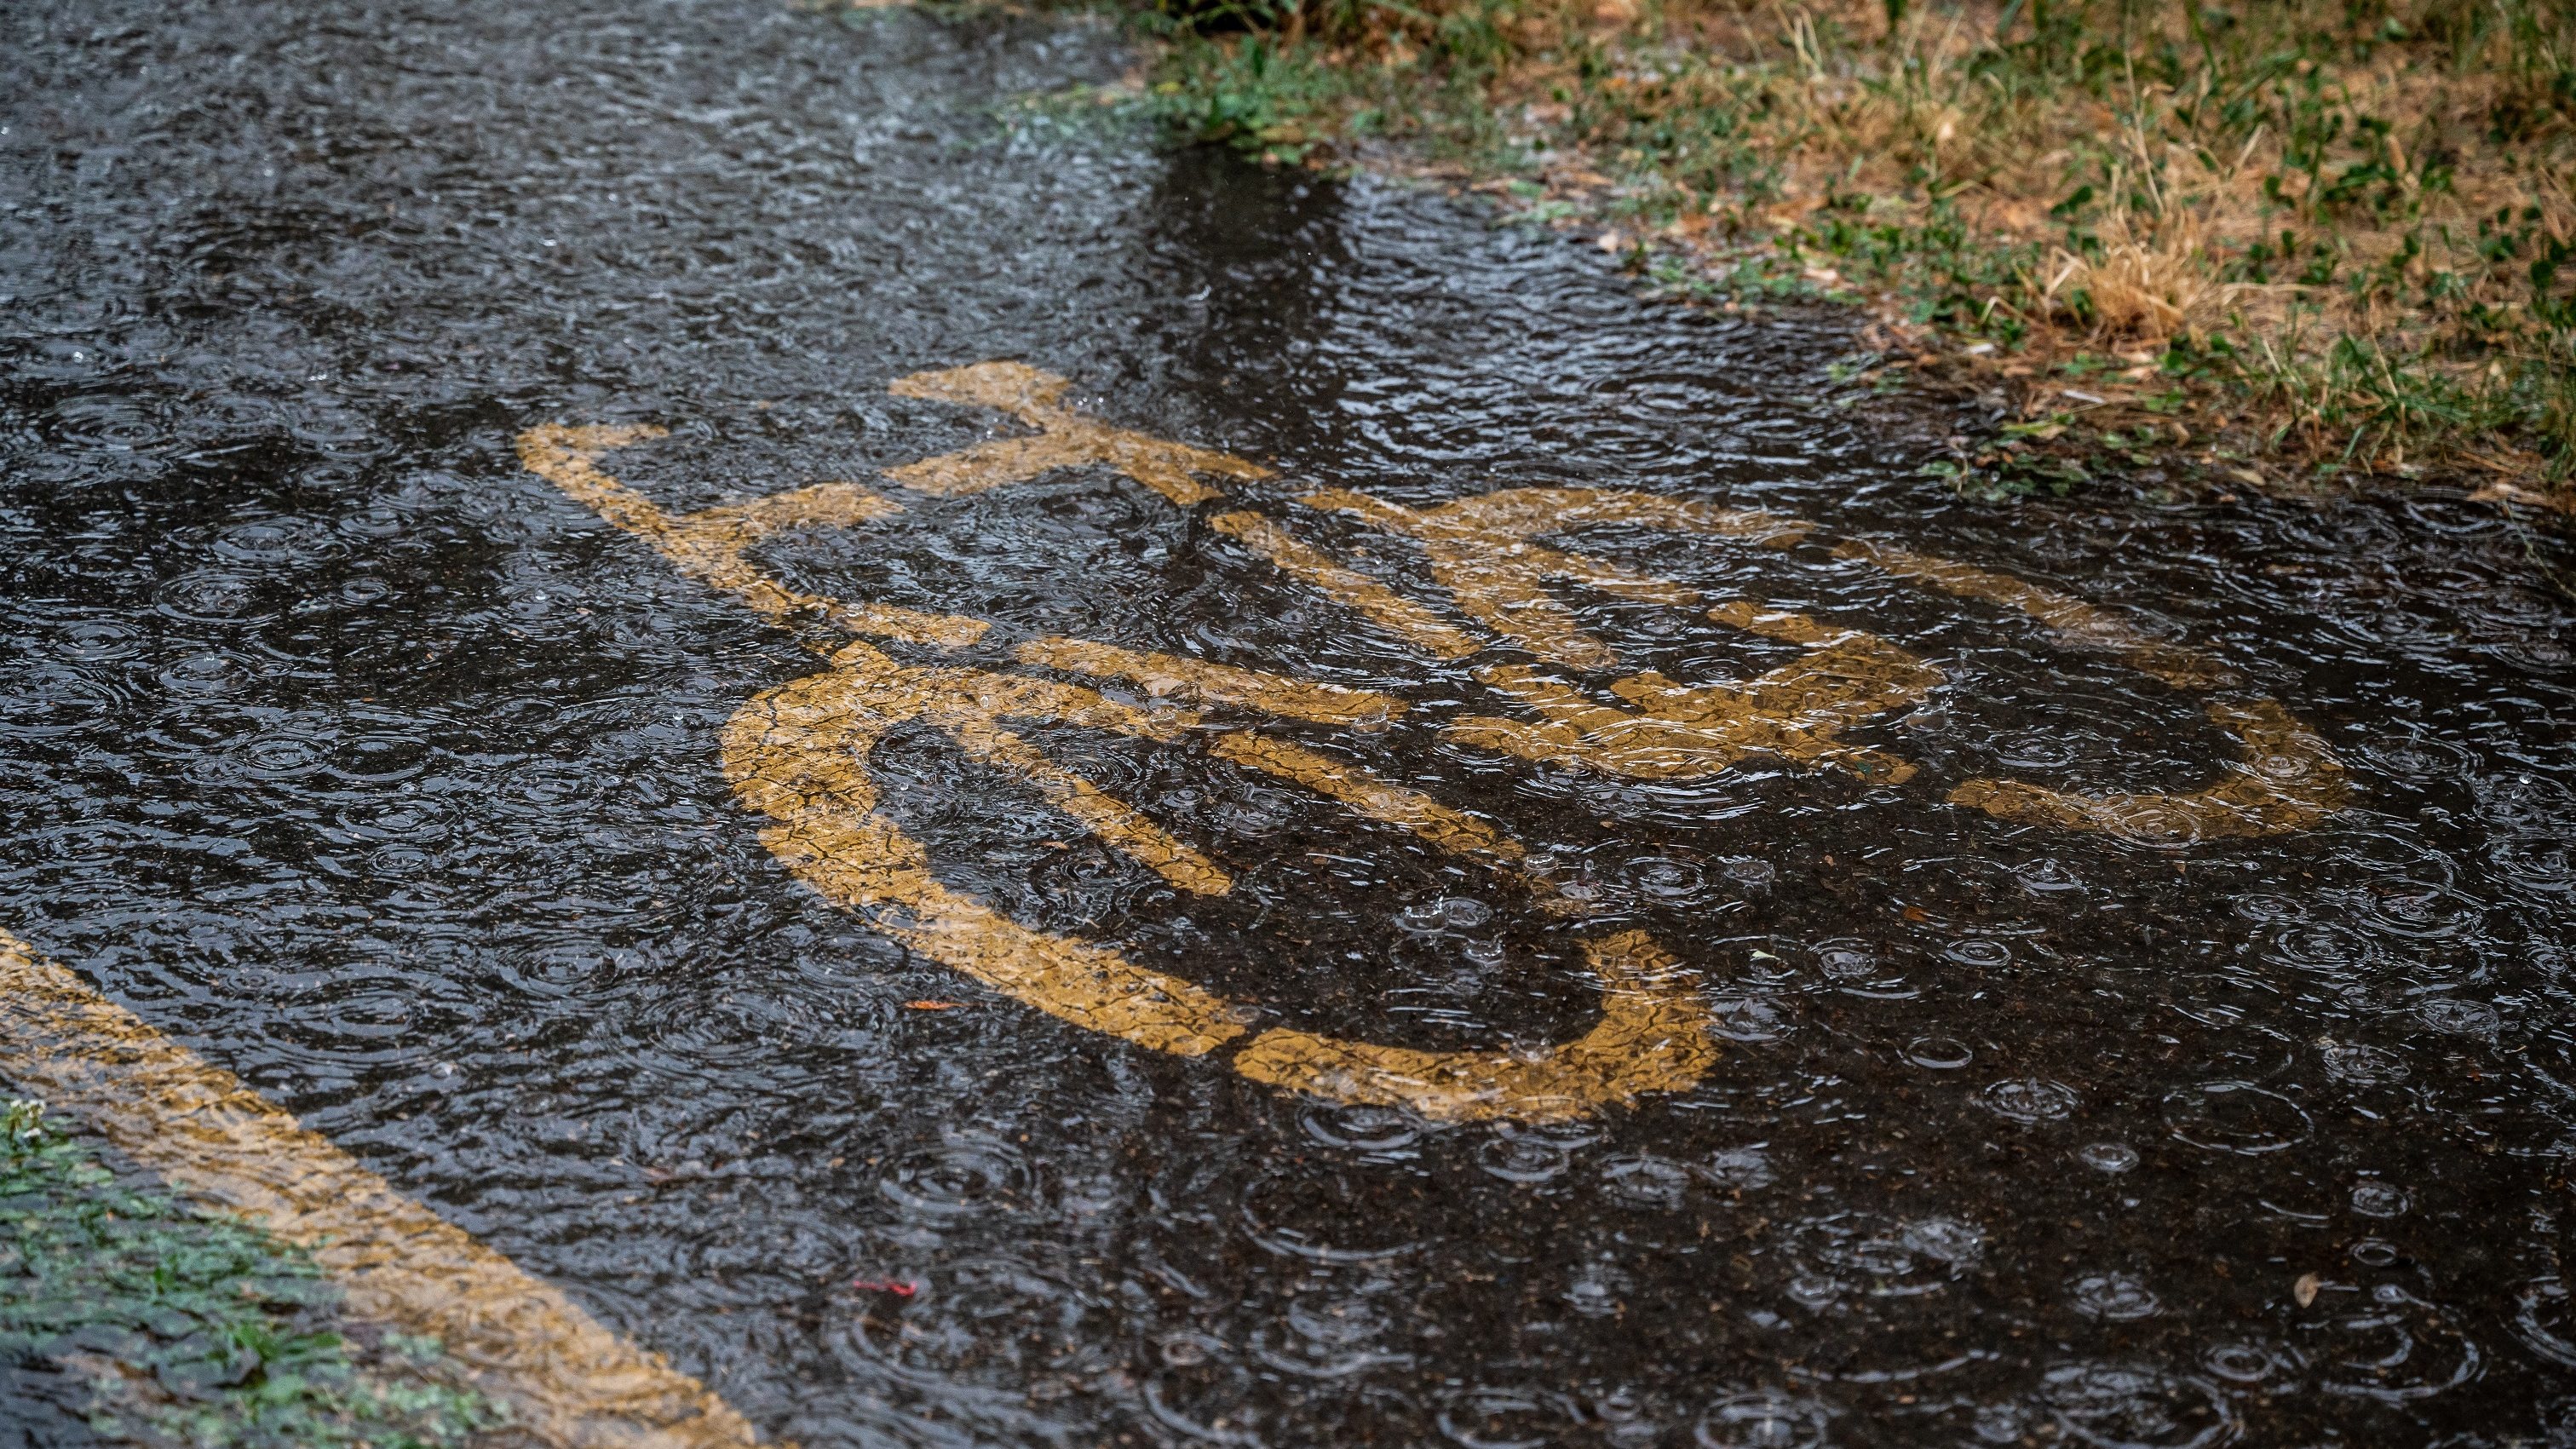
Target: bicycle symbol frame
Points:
(799, 753)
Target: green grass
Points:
(194, 1329)
(1272, 100)
(2340, 232)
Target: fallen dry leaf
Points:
(2501, 492)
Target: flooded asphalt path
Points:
(1665, 928)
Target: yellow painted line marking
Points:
(571, 1382)
(1391, 804)
(1483, 550)
(1653, 1037)
(2072, 620)
(1113, 820)
(2290, 781)
(1680, 732)
(1199, 682)
(825, 505)
(1781, 624)
(1350, 588)
(709, 546)
(1065, 439)
(1388, 803)
(799, 753)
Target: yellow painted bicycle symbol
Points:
(800, 753)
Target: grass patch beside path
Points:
(161, 1325)
(2296, 238)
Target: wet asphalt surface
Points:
(340, 746)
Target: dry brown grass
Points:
(2334, 209)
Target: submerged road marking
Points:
(570, 1381)
(1484, 550)
(2290, 779)
(1201, 682)
(800, 753)
(709, 546)
(1064, 439)
(1350, 588)
(1653, 1037)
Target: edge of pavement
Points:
(570, 1381)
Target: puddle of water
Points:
(395, 781)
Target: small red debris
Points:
(886, 1285)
